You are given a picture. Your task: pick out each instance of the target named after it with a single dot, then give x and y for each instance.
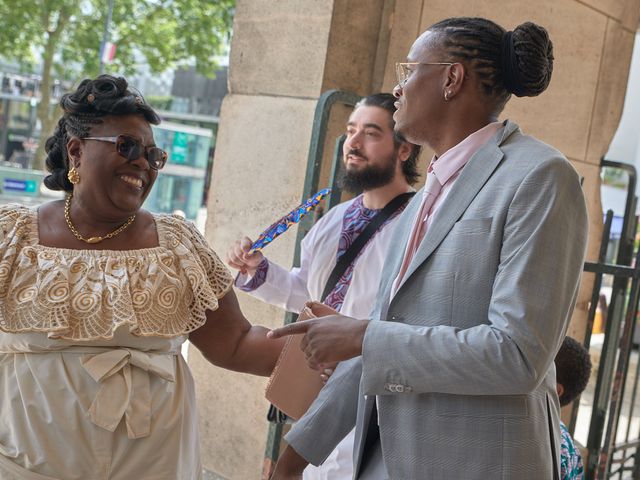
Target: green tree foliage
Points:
(159, 102)
(66, 35)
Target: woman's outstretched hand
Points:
(290, 465)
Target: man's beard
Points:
(369, 177)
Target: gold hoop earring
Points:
(73, 176)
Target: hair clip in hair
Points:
(139, 100)
(91, 98)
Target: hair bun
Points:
(532, 64)
(106, 86)
(92, 95)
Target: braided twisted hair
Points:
(518, 62)
(573, 369)
(86, 106)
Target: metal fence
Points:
(613, 438)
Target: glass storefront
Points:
(18, 133)
(185, 145)
(180, 185)
(173, 193)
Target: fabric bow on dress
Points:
(123, 375)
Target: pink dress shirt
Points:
(441, 175)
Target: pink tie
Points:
(431, 191)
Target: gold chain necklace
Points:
(67, 217)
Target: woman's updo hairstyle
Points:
(86, 106)
(518, 62)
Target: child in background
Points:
(573, 368)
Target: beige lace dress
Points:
(92, 383)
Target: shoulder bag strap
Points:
(356, 247)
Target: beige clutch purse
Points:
(293, 386)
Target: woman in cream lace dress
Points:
(96, 297)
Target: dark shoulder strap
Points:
(358, 244)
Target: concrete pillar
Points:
(285, 54)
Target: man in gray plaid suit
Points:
(452, 377)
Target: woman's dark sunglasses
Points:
(131, 148)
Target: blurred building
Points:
(20, 93)
(148, 83)
(188, 133)
(195, 93)
(181, 185)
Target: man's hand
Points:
(327, 371)
(327, 340)
(290, 466)
(238, 257)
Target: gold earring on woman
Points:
(446, 96)
(73, 176)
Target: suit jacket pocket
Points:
(470, 226)
(481, 405)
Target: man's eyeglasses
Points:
(404, 70)
(132, 148)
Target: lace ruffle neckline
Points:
(87, 294)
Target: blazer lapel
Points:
(471, 180)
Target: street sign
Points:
(179, 149)
(27, 186)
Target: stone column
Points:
(283, 56)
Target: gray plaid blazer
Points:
(461, 359)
